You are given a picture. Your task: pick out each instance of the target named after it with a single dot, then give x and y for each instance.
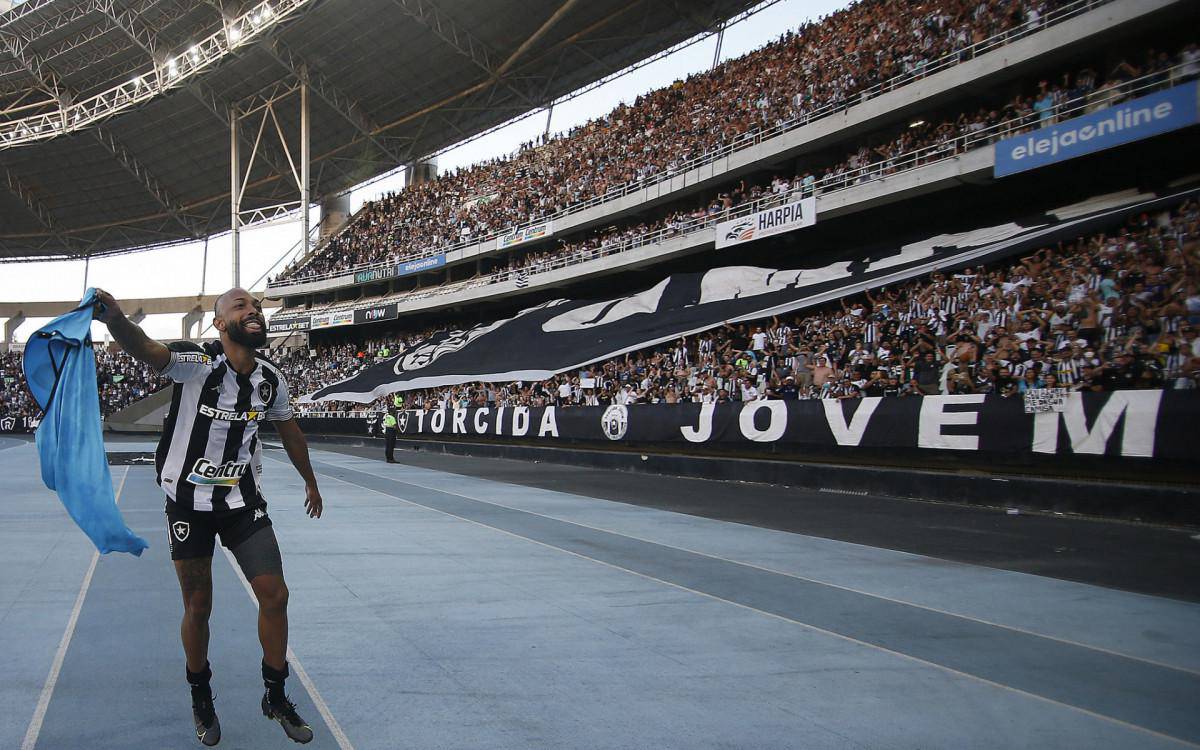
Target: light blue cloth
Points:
(60, 368)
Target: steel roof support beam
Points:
(238, 181)
(71, 12)
(146, 179)
(91, 33)
(131, 24)
(219, 108)
(324, 88)
(83, 39)
(33, 205)
(431, 17)
(18, 48)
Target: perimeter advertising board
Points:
(526, 234)
(1136, 120)
(400, 269)
(1123, 424)
(376, 313)
(285, 325)
(773, 221)
(333, 319)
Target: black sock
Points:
(273, 679)
(200, 681)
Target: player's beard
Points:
(253, 340)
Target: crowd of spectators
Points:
(1112, 311)
(826, 64)
(120, 380)
(912, 145)
(916, 144)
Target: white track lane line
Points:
(322, 708)
(39, 713)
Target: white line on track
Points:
(39, 713)
(322, 707)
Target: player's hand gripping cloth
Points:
(60, 368)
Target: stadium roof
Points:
(390, 82)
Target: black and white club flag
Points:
(562, 335)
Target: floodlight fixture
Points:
(163, 75)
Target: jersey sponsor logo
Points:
(181, 529)
(192, 358)
(231, 416)
(228, 474)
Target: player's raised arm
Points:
(129, 335)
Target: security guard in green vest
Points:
(389, 435)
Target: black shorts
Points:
(193, 533)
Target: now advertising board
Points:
(773, 221)
(1131, 121)
(376, 313)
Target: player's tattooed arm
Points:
(128, 334)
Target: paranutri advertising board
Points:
(377, 313)
(284, 325)
(785, 218)
(1145, 424)
(400, 269)
(333, 319)
(528, 234)
(1132, 121)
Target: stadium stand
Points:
(1098, 330)
(869, 47)
(913, 146)
(1105, 312)
(121, 380)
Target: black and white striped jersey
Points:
(209, 458)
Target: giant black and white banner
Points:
(1145, 424)
(562, 335)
